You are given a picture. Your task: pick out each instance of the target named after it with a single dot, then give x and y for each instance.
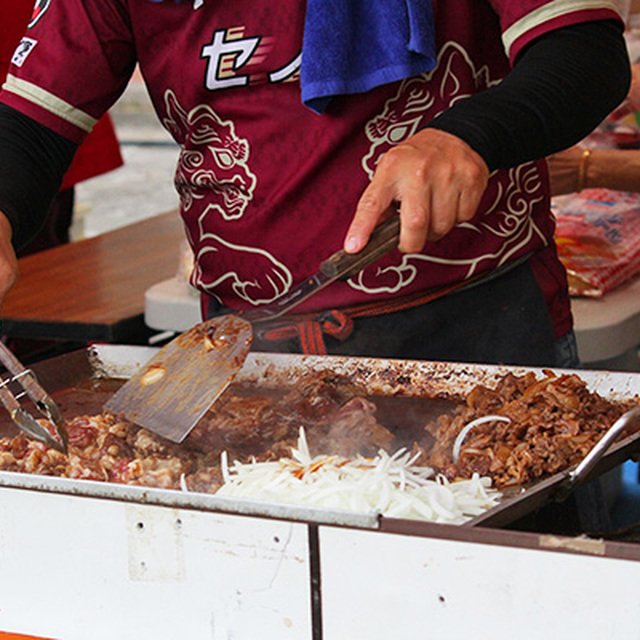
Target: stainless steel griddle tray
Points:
(391, 377)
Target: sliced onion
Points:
(389, 484)
(457, 445)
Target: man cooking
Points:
(303, 125)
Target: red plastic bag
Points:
(598, 239)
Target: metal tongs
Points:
(30, 387)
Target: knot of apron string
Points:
(311, 331)
(338, 323)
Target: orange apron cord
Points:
(308, 332)
(311, 339)
(338, 323)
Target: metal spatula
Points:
(173, 391)
(176, 387)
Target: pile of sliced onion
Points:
(389, 484)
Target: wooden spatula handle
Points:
(383, 239)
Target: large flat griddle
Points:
(82, 381)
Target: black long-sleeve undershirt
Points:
(33, 161)
(562, 86)
(560, 89)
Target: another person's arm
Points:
(562, 86)
(577, 168)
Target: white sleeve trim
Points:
(50, 102)
(548, 12)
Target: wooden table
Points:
(93, 290)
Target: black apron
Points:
(504, 320)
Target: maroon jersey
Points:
(268, 188)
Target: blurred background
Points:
(143, 186)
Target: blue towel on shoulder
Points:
(351, 46)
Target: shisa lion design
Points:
(510, 196)
(213, 174)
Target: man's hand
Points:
(437, 179)
(8, 260)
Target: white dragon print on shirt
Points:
(214, 161)
(513, 195)
(214, 174)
